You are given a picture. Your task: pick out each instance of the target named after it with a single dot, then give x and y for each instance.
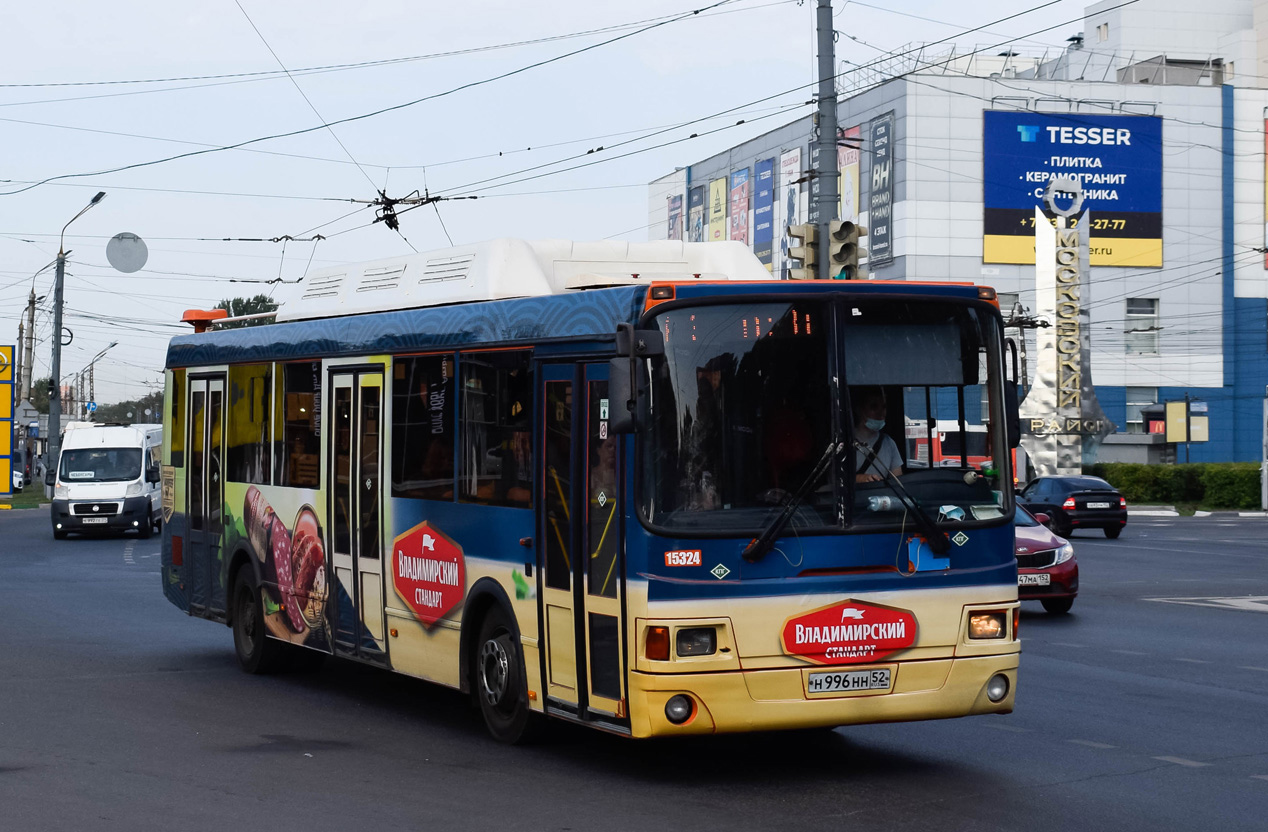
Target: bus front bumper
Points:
(766, 700)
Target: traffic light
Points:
(845, 251)
(807, 251)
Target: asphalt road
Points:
(1145, 708)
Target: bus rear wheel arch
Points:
(257, 653)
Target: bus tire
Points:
(498, 680)
(257, 653)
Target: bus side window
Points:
(422, 427)
(495, 459)
(176, 419)
(297, 425)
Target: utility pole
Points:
(55, 401)
(19, 362)
(1188, 419)
(827, 172)
(29, 354)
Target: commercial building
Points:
(1159, 107)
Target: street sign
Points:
(91, 407)
(1197, 407)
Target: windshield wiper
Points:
(760, 545)
(936, 538)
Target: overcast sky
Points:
(90, 86)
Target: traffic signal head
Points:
(845, 251)
(803, 246)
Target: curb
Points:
(1160, 511)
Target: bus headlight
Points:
(697, 641)
(1065, 553)
(987, 625)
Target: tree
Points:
(39, 394)
(236, 307)
(136, 407)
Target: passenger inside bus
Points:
(869, 408)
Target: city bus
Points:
(615, 484)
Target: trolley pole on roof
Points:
(827, 173)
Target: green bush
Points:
(1232, 485)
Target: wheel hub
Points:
(494, 671)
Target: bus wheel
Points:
(499, 682)
(256, 652)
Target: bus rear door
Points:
(356, 511)
(205, 495)
(580, 527)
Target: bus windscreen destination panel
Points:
(1117, 158)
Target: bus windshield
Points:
(100, 465)
(744, 402)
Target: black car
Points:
(1077, 503)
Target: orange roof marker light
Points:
(202, 319)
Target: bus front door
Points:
(581, 534)
(205, 495)
(355, 499)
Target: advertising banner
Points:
(848, 144)
(739, 205)
(1117, 159)
(880, 204)
(787, 204)
(674, 231)
(717, 210)
(695, 215)
(763, 211)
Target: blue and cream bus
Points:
(618, 484)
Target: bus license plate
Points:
(1034, 580)
(1098, 505)
(848, 680)
(95, 520)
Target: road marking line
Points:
(1247, 603)
(1091, 744)
(1193, 661)
(1249, 667)
(1259, 776)
(1067, 644)
(1180, 761)
(127, 553)
(1012, 728)
(1130, 652)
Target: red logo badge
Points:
(429, 572)
(849, 632)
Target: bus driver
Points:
(868, 406)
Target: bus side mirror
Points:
(627, 387)
(1012, 417)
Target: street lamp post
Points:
(92, 378)
(55, 401)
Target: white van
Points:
(107, 478)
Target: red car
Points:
(1046, 569)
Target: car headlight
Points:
(1065, 553)
(61, 492)
(134, 490)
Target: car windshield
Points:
(745, 401)
(1021, 517)
(100, 465)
